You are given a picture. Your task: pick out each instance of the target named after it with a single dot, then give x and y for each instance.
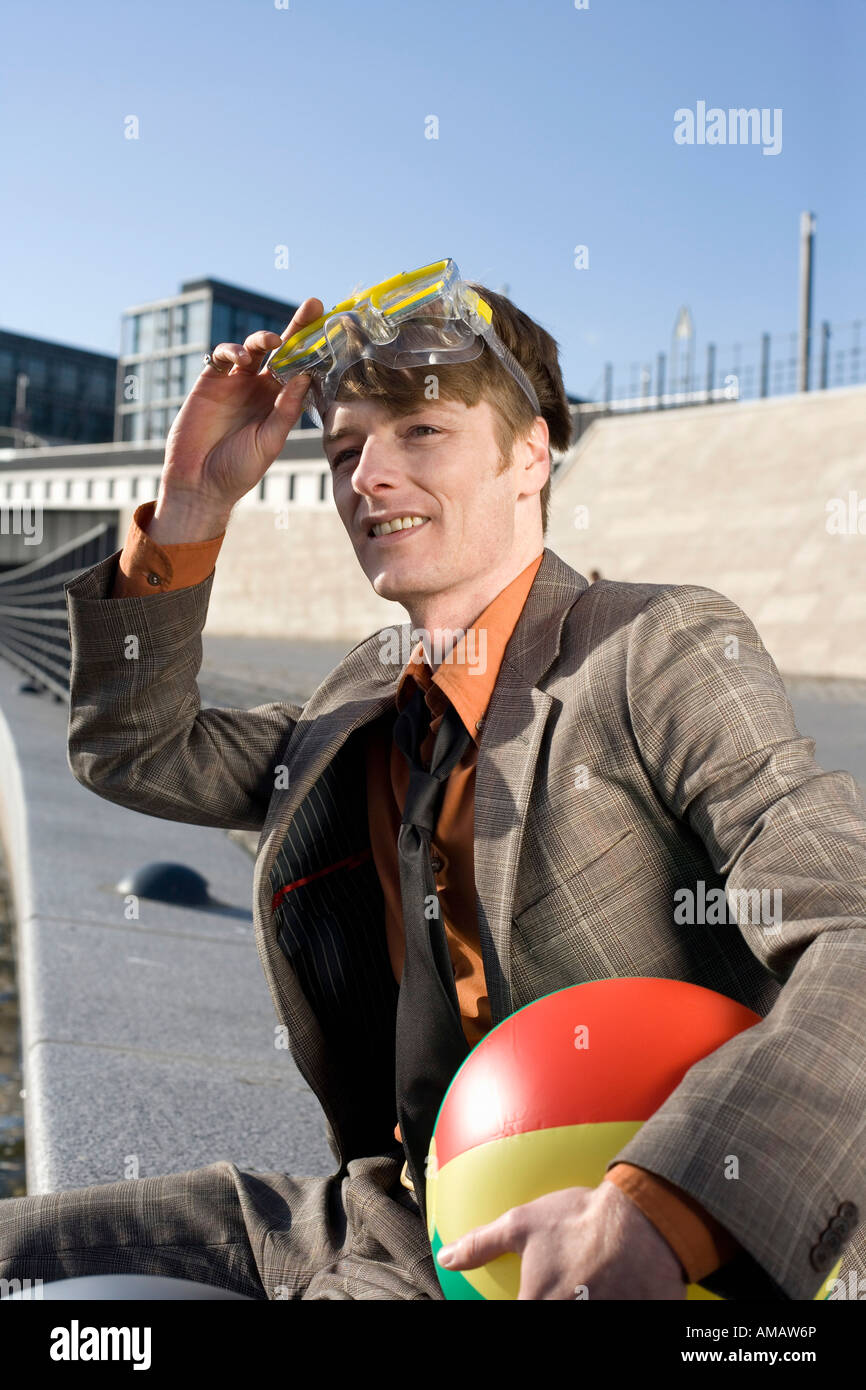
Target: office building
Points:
(163, 344)
(51, 393)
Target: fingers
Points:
(250, 355)
(225, 356)
(262, 343)
(484, 1243)
(244, 357)
(308, 312)
(259, 346)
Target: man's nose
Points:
(376, 468)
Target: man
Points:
(616, 744)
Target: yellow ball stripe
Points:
(477, 1186)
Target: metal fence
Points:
(764, 366)
(34, 628)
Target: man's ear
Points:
(533, 453)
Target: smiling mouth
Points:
(396, 527)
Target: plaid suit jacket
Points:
(694, 777)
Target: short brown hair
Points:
(483, 378)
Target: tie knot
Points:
(410, 730)
(412, 726)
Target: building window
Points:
(162, 328)
(197, 322)
(192, 370)
(145, 333)
(245, 324)
(67, 379)
(68, 488)
(63, 422)
(97, 427)
(176, 375)
(98, 388)
(159, 379)
(179, 324)
(324, 487)
(37, 371)
(133, 493)
(130, 334)
(220, 329)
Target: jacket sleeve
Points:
(767, 1132)
(137, 734)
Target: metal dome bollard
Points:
(166, 882)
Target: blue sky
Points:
(305, 127)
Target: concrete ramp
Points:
(738, 497)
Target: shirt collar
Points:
(467, 673)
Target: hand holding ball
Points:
(552, 1094)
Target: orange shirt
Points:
(466, 678)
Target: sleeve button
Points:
(820, 1257)
(153, 578)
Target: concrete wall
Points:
(298, 579)
(734, 497)
(286, 567)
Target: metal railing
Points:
(761, 367)
(34, 628)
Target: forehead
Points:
(344, 417)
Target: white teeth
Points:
(400, 523)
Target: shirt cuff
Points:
(700, 1243)
(147, 568)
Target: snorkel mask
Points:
(420, 318)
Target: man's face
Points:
(441, 464)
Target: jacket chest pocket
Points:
(605, 885)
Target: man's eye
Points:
(341, 457)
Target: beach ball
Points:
(551, 1094)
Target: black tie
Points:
(431, 1043)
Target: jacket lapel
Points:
(507, 758)
(362, 687)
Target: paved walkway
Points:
(148, 1045)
